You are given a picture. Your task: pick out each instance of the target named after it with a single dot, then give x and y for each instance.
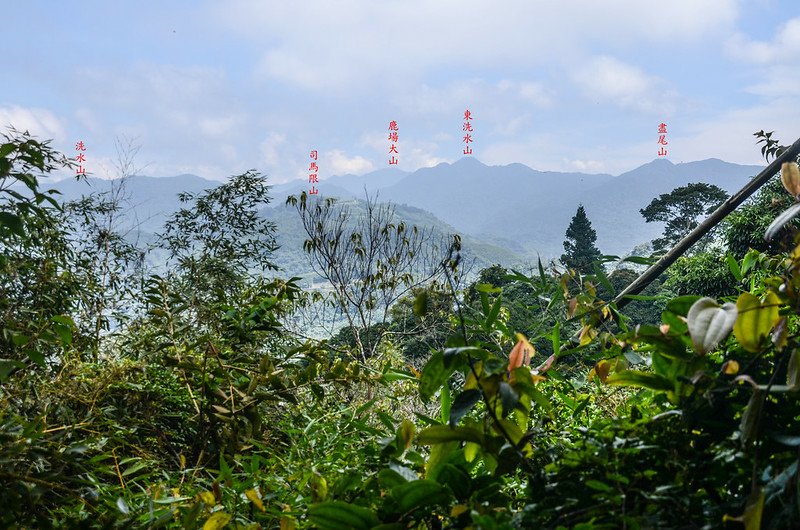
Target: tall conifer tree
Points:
(580, 247)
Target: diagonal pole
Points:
(703, 228)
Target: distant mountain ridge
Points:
(511, 211)
(533, 208)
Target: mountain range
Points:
(506, 214)
(527, 210)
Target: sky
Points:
(217, 88)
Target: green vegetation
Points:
(522, 399)
(680, 210)
(580, 250)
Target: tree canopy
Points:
(681, 209)
(580, 250)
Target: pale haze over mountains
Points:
(512, 213)
(529, 210)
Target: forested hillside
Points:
(172, 379)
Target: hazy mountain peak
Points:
(468, 161)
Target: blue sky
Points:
(216, 88)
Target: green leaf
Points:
(603, 279)
(642, 297)
(134, 468)
(419, 493)
(508, 397)
(733, 266)
(599, 486)
(13, 223)
(7, 366)
(709, 323)
(338, 515)
(749, 424)
(393, 374)
(793, 371)
(781, 220)
(681, 305)
(639, 260)
(217, 521)
(463, 404)
(438, 434)
(421, 304)
(434, 375)
(122, 506)
(492, 316)
(640, 379)
(445, 401)
(755, 319)
(6, 149)
(405, 433)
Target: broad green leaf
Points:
(599, 486)
(6, 149)
(217, 521)
(753, 511)
(682, 304)
(755, 319)
(438, 434)
(463, 404)
(207, 497)
(749, 424)
(419, 493)
(508, 397)
(641, 379)
(338, 515)
(319, 487)
(709, 323)
(439, 456)
(7, 366)
(434, 375)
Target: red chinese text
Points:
(393, 137)
(468, 129)
(662, 139)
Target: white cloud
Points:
(336, 162)
(609, 79)
(41, 123)
(729, 136)
(319, 48)
(270, 149)
(783, 48)
(530, 91)
(218, 126)
(777, 61)
(586, 166)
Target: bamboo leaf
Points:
(641, 379)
